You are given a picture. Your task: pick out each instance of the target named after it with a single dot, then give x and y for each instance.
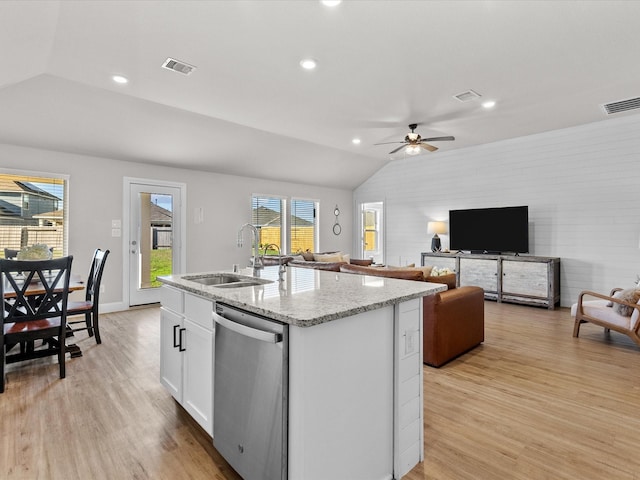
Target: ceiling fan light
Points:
(412, 150)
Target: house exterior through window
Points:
(32, 211)
(289, 223)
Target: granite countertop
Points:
(308, 297)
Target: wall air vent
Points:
(467, 96)
(622, 106)
(178, 66)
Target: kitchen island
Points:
(353, 372)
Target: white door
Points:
(372, 231)
(155, 238)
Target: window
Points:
(266, 214)
(303, 225)
(32, 210)
(290, 232)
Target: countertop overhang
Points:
(307, 297)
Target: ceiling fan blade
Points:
(438, 139)
(387, 143)
(426, 146)
(396, 150)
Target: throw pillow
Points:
(435, 271)
(332, 257)
(426, 271)
(308, 256)
(631, 295)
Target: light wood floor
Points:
(530, 403)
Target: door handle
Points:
(175, 337)
(180, 347)
(254, 333)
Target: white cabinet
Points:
(170, 355)
(356, 396)
(186, 352)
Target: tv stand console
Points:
(524, 279)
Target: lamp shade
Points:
(436, 227)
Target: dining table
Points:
(36, 289)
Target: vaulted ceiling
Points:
(250, 109)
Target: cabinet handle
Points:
(175, 337)
(180, 335)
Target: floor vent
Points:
(622, 106)
(467, 96)
(178, 66)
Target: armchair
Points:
(601, 312)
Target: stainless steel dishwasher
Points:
(250, 406)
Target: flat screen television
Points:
(490, 230)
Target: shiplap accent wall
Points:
(582, 186)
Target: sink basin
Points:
(227, 280)
(215, 279)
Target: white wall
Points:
(582, 186)
(95, 198)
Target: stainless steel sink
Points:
(215, 279)
(226, 280)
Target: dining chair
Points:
(89, 307)
(10, 253)
(34, 296)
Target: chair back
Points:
(19, 279)
(10, 253)
(95, 275)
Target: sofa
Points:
(453, 320)
(331, 261)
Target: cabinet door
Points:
(197, 397)
(525, 278)
(170, 354)
(439, 261)
(479, 272)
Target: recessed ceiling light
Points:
(330, 3)
(356, 141)
(308, 63)
(489, 104)
(120, 79)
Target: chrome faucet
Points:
(256, 262)
(281, 267)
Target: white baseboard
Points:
(113, 307)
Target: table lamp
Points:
(436, 228)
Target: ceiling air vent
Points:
(622, 105)
(178, 66)
(467, 96)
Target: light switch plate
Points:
(116, 232)
(116, 224)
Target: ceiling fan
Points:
(414, 143)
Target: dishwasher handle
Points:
(255, 333)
